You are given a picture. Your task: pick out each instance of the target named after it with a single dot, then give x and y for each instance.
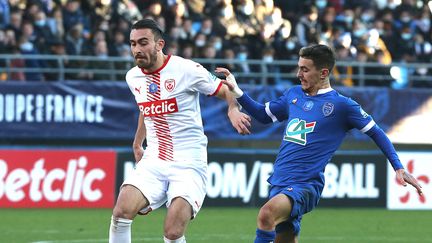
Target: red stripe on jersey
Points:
(217, 89)
(163, 133)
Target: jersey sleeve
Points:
(277, 109)
(201, 80)
(358, 118)
(129, 80)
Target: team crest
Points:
(170, 84)
(328, 108)
(153, 88)
(307, 106)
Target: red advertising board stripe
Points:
(57, 178)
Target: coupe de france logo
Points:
(297, 129)
(170, 85)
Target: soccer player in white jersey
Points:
(173, 167)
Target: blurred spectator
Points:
(73, 15)
(423, 24)
(306, 30)
(268, 54)
(4, 13)
(209, 52)
(17, 63)
(42, 31)
(242, 56)
(75, 41)
(187, 51)
(229, 60)
(56, 47)
(405, 45)
(118, 43)
(199, 43)
(55, 22)
(125, 53)
(172, 48)
(97, 68)
(28, 48)
(342, 74)
(76, 44)
(15, 22)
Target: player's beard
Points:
(147, 63)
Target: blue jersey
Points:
(316, 126)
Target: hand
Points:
(240, 121)
(138, 153)
(405, 178)
(230, 82)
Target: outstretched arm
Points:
(140, 135)
(255, 109)
(383, 142)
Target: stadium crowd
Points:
(381, 31)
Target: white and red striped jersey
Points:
(169, 100)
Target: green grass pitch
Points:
(227, 225)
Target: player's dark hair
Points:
(321, 55)
(149, 24)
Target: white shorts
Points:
(161, 181)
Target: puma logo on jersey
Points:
(158, 107)
(297, 129)
(138, 90)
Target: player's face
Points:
(309, 75)
(144, 48)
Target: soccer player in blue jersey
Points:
(318, 119)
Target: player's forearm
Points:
(226, 95)
(255, 109)
(384, 143)
(140, 133)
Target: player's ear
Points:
(324, 73)
(160, 44)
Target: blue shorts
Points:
(303, 198)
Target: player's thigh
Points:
(150, 181)
(190, 185)
(129, 202)
(178, 215)
(278, 208)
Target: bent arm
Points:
(140, 136)
(239, 120)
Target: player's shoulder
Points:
(343, 99)
(132, 73)
(182, 62)
(294, 90)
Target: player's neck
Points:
(315, 90)
(160, 61)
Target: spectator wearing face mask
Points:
(28, 48)
(42, 31)
(243, 66)
(268, 56)
(423, 24)
(200, 41)
(405, 45)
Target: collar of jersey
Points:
(159, 69)
(323, 91)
